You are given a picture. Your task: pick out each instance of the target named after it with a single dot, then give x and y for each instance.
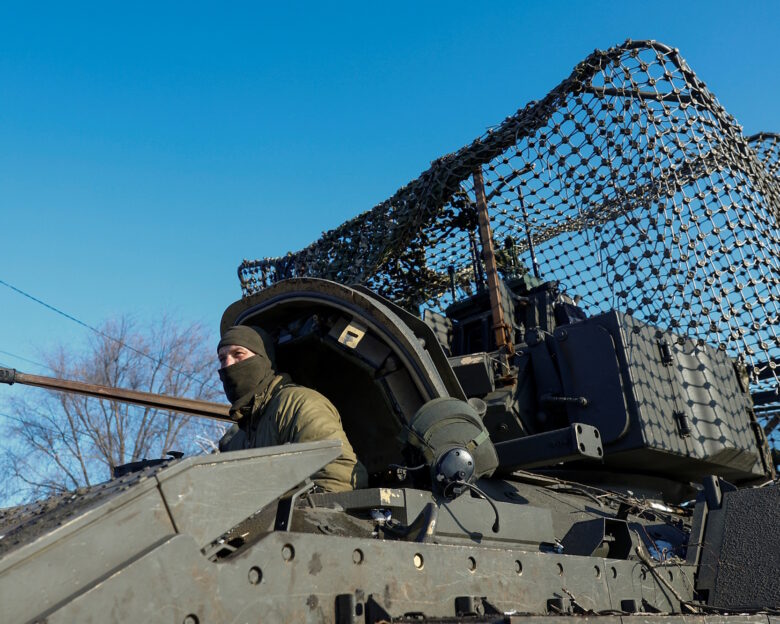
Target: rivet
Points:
(357, 556)
(288, 552)
(560, 569)
(418, 561)
(519, 566)
(191, 619)
(471, 563)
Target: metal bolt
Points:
(191, 619)
(288, 552)
(255, 575)
(471, 563)
(418, 561)
(357, 556)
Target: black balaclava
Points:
(253, 375)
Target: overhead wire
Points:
(103, 334)
(30, 423)
(20, 357)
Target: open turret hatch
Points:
(377, 363)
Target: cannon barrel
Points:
(208, 409)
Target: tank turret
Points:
(590, 437)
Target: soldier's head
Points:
(241, 342)
(246, 358)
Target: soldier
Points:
(269, 409)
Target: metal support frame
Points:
(575, 442)
(503, 339)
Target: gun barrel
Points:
(208, 409)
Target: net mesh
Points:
(628, 183)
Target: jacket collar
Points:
(261, 399)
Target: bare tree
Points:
(59, 441)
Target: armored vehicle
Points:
(555, 359)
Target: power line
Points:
(19, 357)
(37, 425)
(103, 334)
(32, 423)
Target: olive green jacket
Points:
(286, 413)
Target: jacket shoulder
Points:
(293, 394)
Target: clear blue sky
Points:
(147, 148)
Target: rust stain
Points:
(315, 564)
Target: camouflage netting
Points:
(639, 192)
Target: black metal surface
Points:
(284, 510)
(137, 466)
(741, 551)
(601, 537)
